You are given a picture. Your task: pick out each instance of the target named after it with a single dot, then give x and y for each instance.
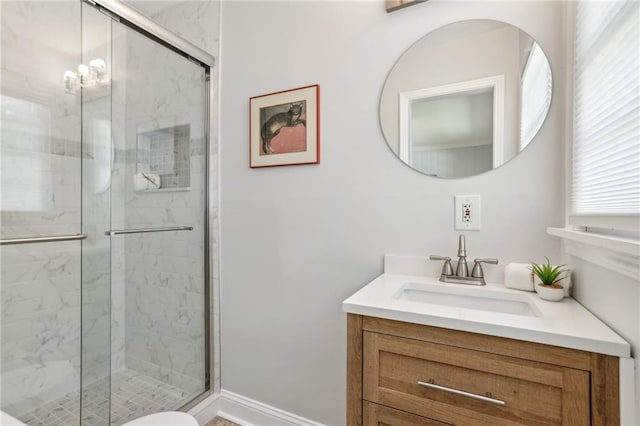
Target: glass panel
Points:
(102, 129)
(40, 196)
(98, 332)
(158, 181)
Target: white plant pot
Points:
(549, 293)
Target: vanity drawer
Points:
(378, 415)
(467, 387)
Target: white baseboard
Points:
(245, 412)
(206, 410)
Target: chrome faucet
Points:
(462, 272)
(461, 269)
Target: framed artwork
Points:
(285, 128)
(399, 4)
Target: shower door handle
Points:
(51, 239)
(144, 230)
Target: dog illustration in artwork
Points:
(272, 127)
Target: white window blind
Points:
(606, 145)
(536, 94)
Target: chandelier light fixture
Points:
(93, 75)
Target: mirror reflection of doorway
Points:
(453, 130)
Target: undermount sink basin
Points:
(482, 298)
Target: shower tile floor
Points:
(134, 395)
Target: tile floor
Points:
(219, 421)
(134, 395)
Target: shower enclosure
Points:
(105, 301)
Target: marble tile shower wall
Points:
(164, 271)
(40, 195)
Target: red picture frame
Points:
(393, 5)
(284, 128)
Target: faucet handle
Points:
(447, 269)
(436, 257)
(477, 271)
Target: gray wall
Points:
(298, 240)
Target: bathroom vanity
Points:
(420, 352)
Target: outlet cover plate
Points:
(467, 212)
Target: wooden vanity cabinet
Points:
(409, 374)
(379, 415)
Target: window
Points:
(605, 188)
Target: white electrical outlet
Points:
(467, 212)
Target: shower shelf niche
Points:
(163, 154)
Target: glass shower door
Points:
(104, 145)
(157, 226)
(40, 201)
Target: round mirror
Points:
(466, 98)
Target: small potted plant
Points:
(549, 276)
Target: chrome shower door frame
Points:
(145, 26)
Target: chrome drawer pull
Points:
(432, 384)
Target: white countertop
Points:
(565, 323)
